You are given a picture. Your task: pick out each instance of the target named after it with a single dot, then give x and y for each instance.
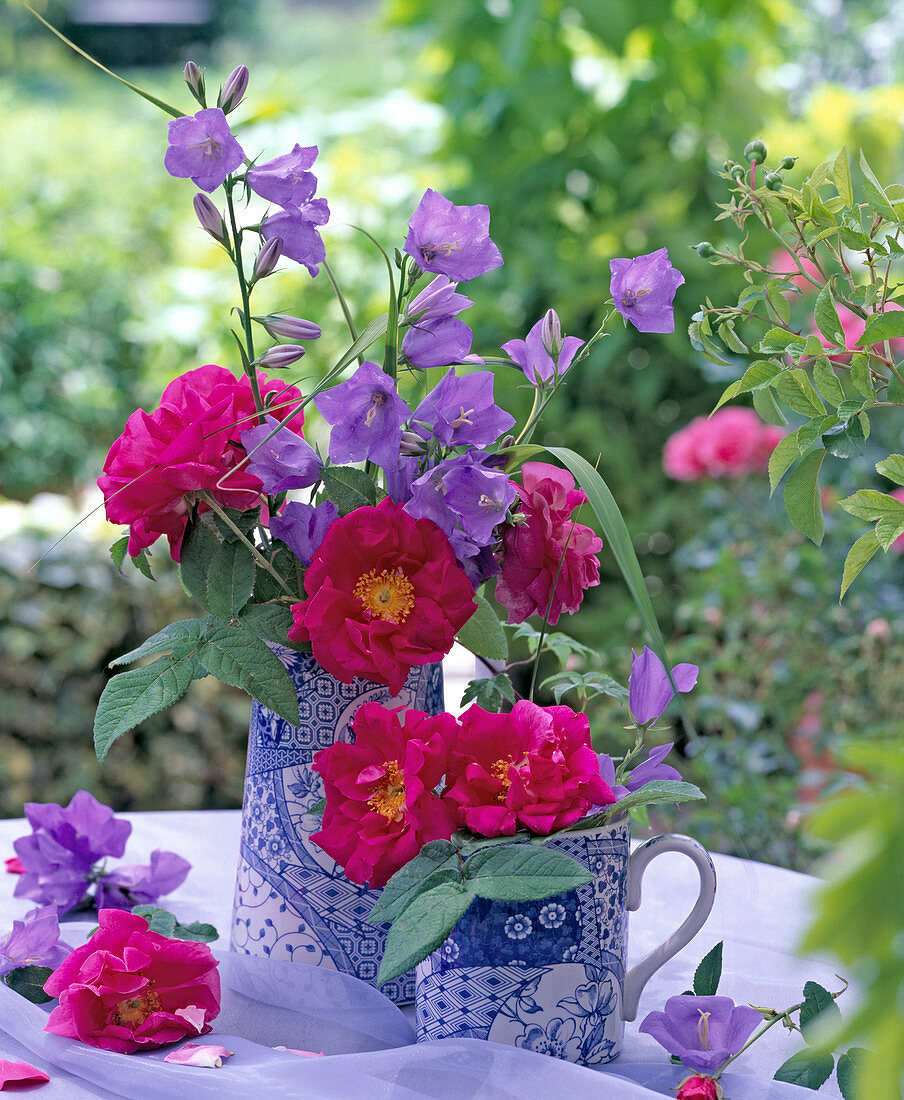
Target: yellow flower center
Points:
(211, 149)
(133, 1011)
(388, 796)
(703, 1030)
(500, 770)
(376, 400)
(386, 595)
(462, 418)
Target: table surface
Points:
(759, 913)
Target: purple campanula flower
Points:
(64, 846)
(702, 1031)
(282, 461)
(451, 240)
(437, 343)
(649, 689)
(295, 328)
(534, 359)
(460, 411)
(142, 884)
(643, 290)
(367, 416)
(297, 228)
(438, 299)
(645, 772)
(286, 180)
(34, 941)
(401, 474)
(233, 91)
(302, 527)
(202, 147)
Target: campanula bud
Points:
(551, 334)
(211, 219)
(292, 328)
(194, 78)
(281, 355)
(233, 91)
(267, 259)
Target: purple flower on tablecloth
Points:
(557, 1039)
(643, 290)
(296, 227)
(460, 411)
(451, 240)
(286, 180)
(141, 884)
(34, 941)
(534, 359)
(302, 527)
(645, 772)
(702, 1031)
(650, 691)
(367, 416)
(203, 148)
(282, 461)
(64, 846)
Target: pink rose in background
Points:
(852, 327)
(534, 549)
(781, 262)
(131, 989)
(189, 443)
(380, 806)
(731, 443)
(533, 768)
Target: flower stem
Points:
(246, 306)
(236, 530)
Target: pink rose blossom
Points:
(199, 1054)
(18, 1073)
(533, 768)
(781, 262)
(548, 548)
(129, 989)
(190, 443)
(380, 805)
(852, 328)
(731, 443)
(699, 1087)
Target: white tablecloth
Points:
(759, 913)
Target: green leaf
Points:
(616, 532)
(422, 927)
(28, 982)
(777, 341)
(827, 381)
(730, 391)
(882, 326)
(523, 872)
(818, 1013)
(730, 339)
(374, 331)
(785, 455)
(348, 487)
(709, 973)
(779, 302)
(159, 920)
(270, 621)
(437, 858)
(118, 551)
(245, 519)
(827, 317)
(178, 635)
(656, 792)
(802, 502)
(848, 1069)
(235, 656)
(230, 581)
(796, 390)
(807, 1068)
(197, 932)
(841, 174)
(889, 529)
(845, 440)
(589, 683)
(483, 634)
(808, 433)
(860, 375)
(131, 697)
(892, 468)
(285, 565)
(198, 548)
(871, 505)
(759, 374)
(875, 190)
(491, 693)
(858, 556)
(847, 409)
(764, 403)
(141, 563)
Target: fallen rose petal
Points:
(11, 1072)
(196, 1054)
(302, 1053)
(14, 866)
(194, 1015)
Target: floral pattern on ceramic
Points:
(292, 901)
(549, 976)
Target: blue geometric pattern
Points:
(292, 901)
(546, 975)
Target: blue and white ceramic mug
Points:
(549, 976)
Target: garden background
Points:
(591, 129)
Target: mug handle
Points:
(639, 974)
